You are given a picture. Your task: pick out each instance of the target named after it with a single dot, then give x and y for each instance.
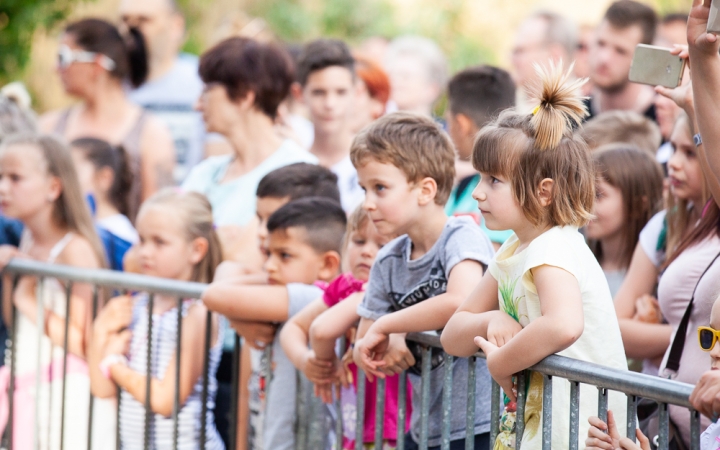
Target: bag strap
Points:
(678, 343)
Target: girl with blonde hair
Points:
(544, 292)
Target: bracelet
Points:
(110, 360)
(697, 139)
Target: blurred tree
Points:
(673, 6)
(18, 21)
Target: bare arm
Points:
(469, 320)
(705, 68)
(248, 303)
(641, 340)
(559, 326)
(329, 326)
(163, 391)
(157, 158)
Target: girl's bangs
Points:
(496, 151)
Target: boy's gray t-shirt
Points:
(396, 282)
(279, 415)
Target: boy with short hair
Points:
(303, 247)
(475, 96)
(406, 166)
(326, 73)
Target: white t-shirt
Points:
(600, 342)
(234, 202)
(649, 237)
(351, 194)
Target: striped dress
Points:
(132, 412)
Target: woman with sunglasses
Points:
(94, 63)
(603, 435)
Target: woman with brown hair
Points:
(628, 193)
(94, 62)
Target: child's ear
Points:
(199, 249)
(55, 189)
(428, 191)
(545, 191)
(105, 178)
(465, 125)
(330, 265)
(296, 91)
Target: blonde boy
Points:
(405, 164)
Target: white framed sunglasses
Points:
(67, 56)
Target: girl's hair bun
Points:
(560, 107)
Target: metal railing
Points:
(633, 385)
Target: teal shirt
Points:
(465, 205)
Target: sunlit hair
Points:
(194, 214)
(639, 178)
(70, 209)
(414, 144)
(375, 78)
(527, 148)
(627, 127)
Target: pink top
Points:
(674, 292)
(340, 289)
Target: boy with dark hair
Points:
(326, 73)
(626, 24)
(303, 247)
(475, 96)
(406, 165)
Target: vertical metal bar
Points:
(694, 430)
(631, 416)
(523, 378)
(360, 409)
(66, 335)
(178, 352)
(91, 406)
(38, 384)
(402, 410)
(119, 400)
(447, 402)
(547, 413)
(425, 396)
(663, 427)
(342, 345)
(379, 411)
(470, 411)
(206, 371)
(13, 359)
(302, 413)
(234, 405)
(574, 415)
(494, 411)
(148, 371)
(602, 404)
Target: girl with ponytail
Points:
(177, 241)
(537, 179)
(105, 178)
(95, 62)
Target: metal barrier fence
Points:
(633, 385)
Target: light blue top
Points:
(233, 202)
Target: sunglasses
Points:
(67, 56)
(707, 337)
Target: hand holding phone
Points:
(656, 66)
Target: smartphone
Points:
(713, 25)
(656, 66)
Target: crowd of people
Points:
(556, 208)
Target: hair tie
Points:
(536, 110)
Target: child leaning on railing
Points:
(177, 241)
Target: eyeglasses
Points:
(707, 337)
(67, 56)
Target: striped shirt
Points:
(132, 412)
